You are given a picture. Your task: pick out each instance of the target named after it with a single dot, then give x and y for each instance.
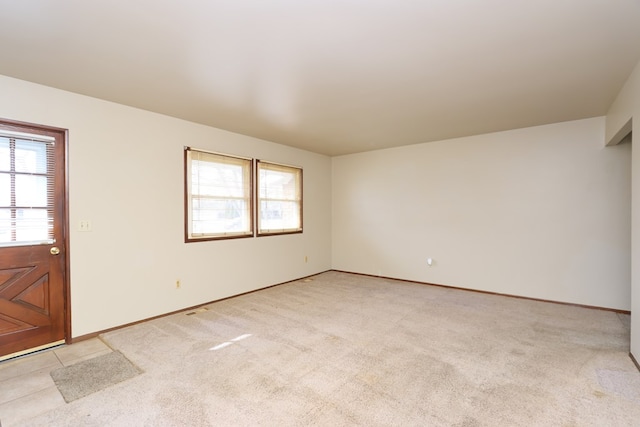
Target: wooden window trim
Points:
(258, 200)
(188, 238)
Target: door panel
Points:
(28, 308)
(33, 286)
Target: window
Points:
(218, 196)
(26, 189)
(279, 199)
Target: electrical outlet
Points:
(178, 284)
(306, 258)
(85, 225)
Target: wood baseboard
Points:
(95, 334)
(615, 310)
(634, 360)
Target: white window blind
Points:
(219, 202)
(27, 189)
(279, 199)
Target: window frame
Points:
(258, 203)
(188, 198)
(13, 172)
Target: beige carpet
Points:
(350, 350)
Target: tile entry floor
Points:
(26, 387)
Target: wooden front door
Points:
(33, 253)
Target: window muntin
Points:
(219, 196)
(26, 189)
(279, 199)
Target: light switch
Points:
(85, 225)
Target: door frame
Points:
(20, 126)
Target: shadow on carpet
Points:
(87, 377)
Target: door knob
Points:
(54, 250)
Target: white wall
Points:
(126, 176)
(626, 107)
(541, 212)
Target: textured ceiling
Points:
(333, 77)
